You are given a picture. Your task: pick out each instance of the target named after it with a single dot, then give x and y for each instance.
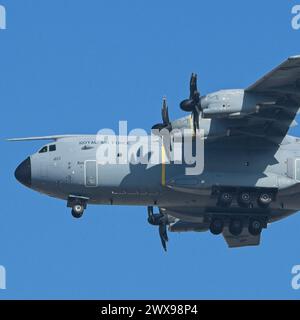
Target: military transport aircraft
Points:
(251, 174)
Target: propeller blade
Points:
(166, 124)
(150, 211)
(150, 215)
(164, 244)
(194, 101)
(163, 235)
(165, 112)
(196, 117)
(193, 104)
(196, 98)
(161, 220)
(193, 85)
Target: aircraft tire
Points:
(77, 211)
(264, 199)
(236, 226)
(255, 227)
(216, 227)
(225, 199)
(244, 199)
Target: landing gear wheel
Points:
(216, 226)
(255, 227)
(244, 199)
(77, 210)
(264, 199)
(225, 199)
(236, 227)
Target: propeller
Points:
(193, 104)
(160, 220)
(166, 124)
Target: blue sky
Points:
(79, 66)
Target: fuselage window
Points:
(52, 147)
(44, 149)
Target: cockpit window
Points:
(52, 147)
(44, 149)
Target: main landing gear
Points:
(216, 226)
(225, 199)
(236, 225)
(245, 198)
(264, 199)
(255, 227)
(77, 205)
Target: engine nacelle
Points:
(221, 106)
(230, 103)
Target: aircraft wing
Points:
(243, 240)
(54, 138)
(274, 118)
(285, 79)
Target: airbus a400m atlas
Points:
(251, 174)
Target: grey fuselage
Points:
(72, 170)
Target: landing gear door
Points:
(91, 173)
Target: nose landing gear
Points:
(77, 210)
(78, 205)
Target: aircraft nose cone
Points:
(23, 172)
